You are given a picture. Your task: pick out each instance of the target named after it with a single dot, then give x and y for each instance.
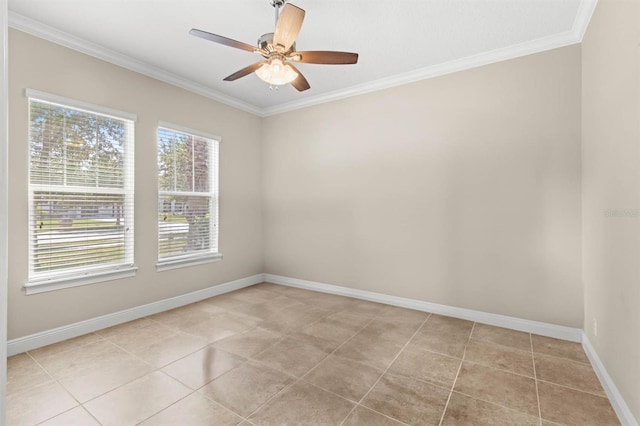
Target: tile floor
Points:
(273, 355)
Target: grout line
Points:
(386, 369)
(603, 395)
(298, 379)
(284, 336)
(288, 334)
(535, 379)
(464, 353)
(587, 363)
(490, 342)
(495, 403)
(187, 396)
(500, 369)
(196, 391)
(80, 404)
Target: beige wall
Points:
(40, 65)
(462, 190)
(611, 182)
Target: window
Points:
(80, 193)
(187, 197)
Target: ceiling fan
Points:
(279, 50)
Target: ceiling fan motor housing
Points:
(265, 42)
(279, 50)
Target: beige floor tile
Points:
(376, 353)
(362, 416)
(24, 373)
(143, 333)
(37, 404)
(199, 368)
(499, 387)
(349, 321)
(561, 348)
(444, 335)
(330, 302)
(326, 334)
(75, 417)
(264, 310)
(292, 331)
(208, 307)
(569, 373)
(303, 404)
(183, 317)
(170, 349)
(250, 342)
(344, 377)
(292, 356)
(298, 293)
(499, 356)
(194, 410)
(254, 294)
(408, 400)
(247, 387)
(220, 326)
(502, 336)
(428, 366)
(109, 374)
(19, 361)
(365, 308)
(84, 360)
(58, 348)
(571, 407)
(293, 317)
(138, 400)
(125, 327)
(396, 313)
(225, 301)
(391, 330)
(463, 410)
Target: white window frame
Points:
(49, 281)
(214, 255)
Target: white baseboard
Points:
(33, 341)
(617, 401)
(55, 335)
(37, 340)
(535, 327)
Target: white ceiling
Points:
(398, 41)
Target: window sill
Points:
(74, 280)
(182, 262)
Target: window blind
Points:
(80, 191)
(187, 195)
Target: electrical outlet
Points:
(595, 327)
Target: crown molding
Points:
(574, 36)
(583, 17)
(38, 29)
(469, 62)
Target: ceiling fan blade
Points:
(222, 40)
(288, 26)
(326, 57)
(244, 71)
(300, 83)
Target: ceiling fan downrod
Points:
(277, 5)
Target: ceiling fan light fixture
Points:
(276, 72)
